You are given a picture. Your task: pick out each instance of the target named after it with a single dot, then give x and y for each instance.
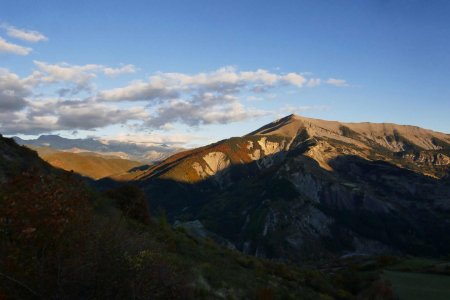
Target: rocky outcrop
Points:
(269, 147)
(427, 158)
(215, 162)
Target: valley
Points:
(354, 200)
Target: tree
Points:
(130, 199)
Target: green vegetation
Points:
(418, 286)
(414, 264)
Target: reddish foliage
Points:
(35, 206)
(42, 218)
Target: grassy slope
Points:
(417, 286)
(419, 278)
(94, 166)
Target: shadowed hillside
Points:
(300, 189)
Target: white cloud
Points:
(294, 79)
(203, 109)
(152, 139)
(93, 115)
(8, 47)
(53, 114)
(337, 82)
(66, 72)
(21, 122)
(24, 35)
(78, 77)
(139, 90)
(127, 69)
(225, 81)
(13, 91)
(202, 98)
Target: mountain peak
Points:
(391, 136)
(287, 126)
(293, 117)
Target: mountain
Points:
(88, 164)
(146, 153)
(301, 188)
(421, 150)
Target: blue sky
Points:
(378, 61)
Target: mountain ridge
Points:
(298, 189)
(363, 128)
(402, 145)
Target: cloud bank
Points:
(159, 102)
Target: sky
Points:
(188, 73)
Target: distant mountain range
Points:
(301, 188)
(131, 151)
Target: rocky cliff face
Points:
(302, 188)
